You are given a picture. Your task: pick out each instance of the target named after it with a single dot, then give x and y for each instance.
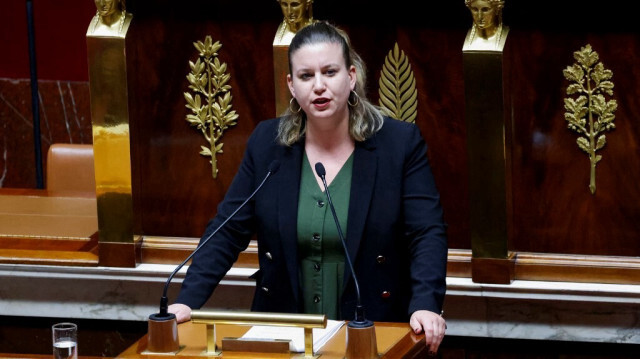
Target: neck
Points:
(329, 136)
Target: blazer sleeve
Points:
(424, 228)
(213, 260)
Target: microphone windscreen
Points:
(320, 169)
(274, 166)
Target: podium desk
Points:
(51, 228)
(39, 356)
(395, 340)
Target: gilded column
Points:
(488, 149)
(106, 37)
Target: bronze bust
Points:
(297, 14)
(487, 32)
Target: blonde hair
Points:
(365, 119)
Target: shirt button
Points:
(316, 237)
(320, 204)
(385, 294)
(316, 299)
(316, 266)
(381, 259)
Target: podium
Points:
(395, 340)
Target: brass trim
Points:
(305, 321)
(259, 318)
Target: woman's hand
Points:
(182, 312)
(433, 326)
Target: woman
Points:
(381, 186)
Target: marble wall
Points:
(524, 310)
(65, 117)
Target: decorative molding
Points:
(173, 250)
(528, 266)
(209, 78)
(589, 114)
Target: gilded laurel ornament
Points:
(398, 94)
(209, 79)
(588, 111)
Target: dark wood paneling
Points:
(553, 210)
(175, 194)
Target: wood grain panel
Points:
(553, 208)
(553, 212)
(175, 194)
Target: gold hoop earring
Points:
(291, 107)
(356, 101)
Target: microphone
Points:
(164, 315)
(360, 321)
(361, 334)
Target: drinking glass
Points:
(65, 341)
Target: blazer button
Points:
(320, 204)
(265, 290)
(268, 255)
(316, 267)
(386, 294)
(316, 237)
(381, 259)
(316, 299)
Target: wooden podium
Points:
(43, 227)
(395, 340)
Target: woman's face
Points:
(484, 14)
(320, 81)
(294, 11)
(106, 7)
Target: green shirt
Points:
(319, 246)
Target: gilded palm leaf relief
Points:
(398, 94)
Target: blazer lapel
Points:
(365, 164)
(287, 207)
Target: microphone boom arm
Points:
(360, 320)
(273, 167)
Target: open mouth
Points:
(321, 103)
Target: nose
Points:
(318, 84)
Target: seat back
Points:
(70, 168)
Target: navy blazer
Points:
(396, 234)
